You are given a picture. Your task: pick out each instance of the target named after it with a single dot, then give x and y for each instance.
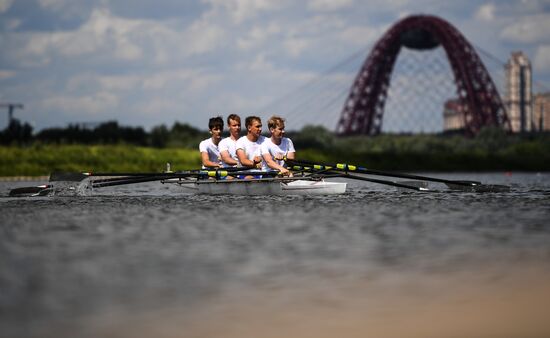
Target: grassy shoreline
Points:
(490, 152)
(41, 160)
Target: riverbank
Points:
(41, 160)
(491, 150)
(23, 178)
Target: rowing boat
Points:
(271, 186)
(309, 179)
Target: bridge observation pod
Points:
(364, 108)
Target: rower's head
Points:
(253, 125)
(276, 125)
(215, 126)
(234, 124)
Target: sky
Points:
(151, 62)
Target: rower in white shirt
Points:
(210, 154)
(228, 146)
(276, 148)
(248, 146)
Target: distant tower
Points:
(541, 111)
(519, 95)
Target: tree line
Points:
(491, 149)
(110, 132)
(161, 136)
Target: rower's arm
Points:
(206, 161)
(275, 166)
(245, 162)
(227, 159)
(272, 164)
(291, 155)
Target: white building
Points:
(519, 96)
(453, 115)
(541, 112)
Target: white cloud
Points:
(486, 12)
(542, 59)
(114, 38)
(257, 35)
(155, 105)
(102, 33)
(126, 50)
(105, 30)
(152, 82)
(361, 35)
(328, 5)
(5, 5)
(403, 14)
(98, 103)
(69, 9)
(89, 82)
(201, 37)
(53, 4)
(318, 25)
(528, 29)
(192, 81)
(259, 65)
(243, 10)
(12, 24)
(6, 74)
(314, 33)
(294, 46)
(119, 82)
(237, 102)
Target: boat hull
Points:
(252, 187)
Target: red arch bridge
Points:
(477, 95)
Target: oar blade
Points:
(40, 190)
(415, 187)
(478, 187)
(421, 185)
(491, 188)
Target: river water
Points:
(150, 261)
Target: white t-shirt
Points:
(227, 144)
(268, 147)
(209, 147)
(251, 149)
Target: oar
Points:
(77, 177)
(125, 181)
(362, 170)
(98, 183)
(385, 182)
(132, 178)
(453, 184)
(38, 190)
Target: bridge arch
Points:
(364, 108)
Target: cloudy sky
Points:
(151, 62)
